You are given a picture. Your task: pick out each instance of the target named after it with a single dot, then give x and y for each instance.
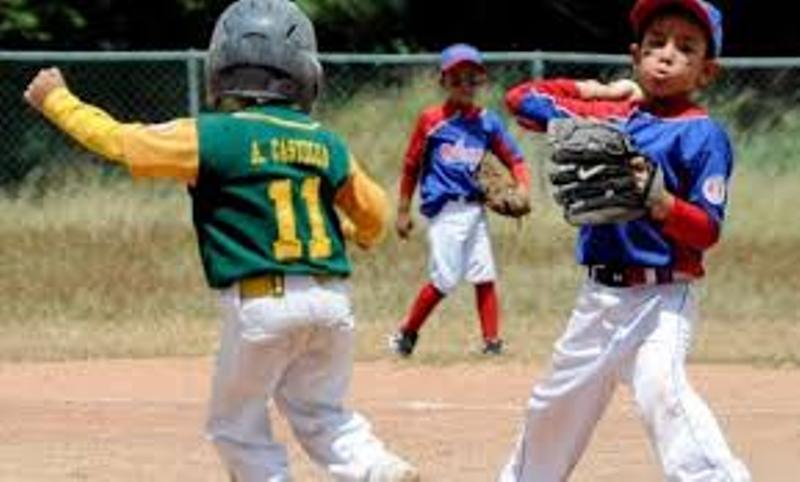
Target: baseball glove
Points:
(597, 175)
(500, 192)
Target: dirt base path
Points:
(135, 421)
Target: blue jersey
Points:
(446, 148)
(693, 151)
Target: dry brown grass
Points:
(96, 269)
(104, 269)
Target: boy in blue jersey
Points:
(635, 312)
(446, 147)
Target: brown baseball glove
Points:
(500, 191)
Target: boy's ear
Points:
(709, 72)
(636, 55)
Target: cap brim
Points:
(459, 62)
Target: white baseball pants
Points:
(460, 247)
(639, 336)
(295, 350)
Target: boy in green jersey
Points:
(266, 181)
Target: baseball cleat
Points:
(403, 342)
(493, 347)
(393, 469)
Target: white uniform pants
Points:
(295, 350)
(639, 336)
(460, 248)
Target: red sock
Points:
(486, 297)
(427, 299)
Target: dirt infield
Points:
(142, 421)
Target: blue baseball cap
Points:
(708, 14)
(459, 54)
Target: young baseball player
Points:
(265, 179)
(635, 312)
(443, 154)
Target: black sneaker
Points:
(403, 342)
(493, 347)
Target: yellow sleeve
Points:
(168, 150)
(365, 204)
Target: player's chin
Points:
(656, 93)
(663, 88)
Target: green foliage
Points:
(36, 21)
(194, 5)
(365, 25)
(343, 24)
(371, 25)
(325, 10)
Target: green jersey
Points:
(264, 197)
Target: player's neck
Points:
(673, 106)
(459, 105)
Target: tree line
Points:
(751, 28)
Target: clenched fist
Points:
(41, 85)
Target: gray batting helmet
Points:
(262, 50)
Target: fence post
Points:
(193, 81)
(537, 66)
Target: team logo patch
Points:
(714, 190)
(461, 153)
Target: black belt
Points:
(627, 276)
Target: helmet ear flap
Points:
(312, 87)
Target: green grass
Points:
(97, 265)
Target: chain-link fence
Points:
(752, 94)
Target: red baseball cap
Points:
(708, 14)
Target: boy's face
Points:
(671, 60)
(463, 81)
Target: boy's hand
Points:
(650, 182)
(45, 82)
(404, 224)
(622, 89)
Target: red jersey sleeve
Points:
(535, 103)
(691, 226)
(412, 162)
(506, 149)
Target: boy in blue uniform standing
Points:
(635, 313)
(443, 155)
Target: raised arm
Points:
(167, 150)
(535, 103)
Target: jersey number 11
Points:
(288, 246)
